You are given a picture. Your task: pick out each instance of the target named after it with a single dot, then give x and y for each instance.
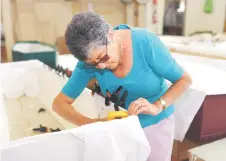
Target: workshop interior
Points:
(36, 63)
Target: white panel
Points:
(196, 19)
(42, 20)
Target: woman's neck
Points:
(126, 60)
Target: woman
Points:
(133, 58)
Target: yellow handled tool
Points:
(117, 115)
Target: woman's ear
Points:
(111, 32)
(111, 35)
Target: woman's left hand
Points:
(141, 105)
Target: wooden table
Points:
(180, 149)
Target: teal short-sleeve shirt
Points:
(152, 66)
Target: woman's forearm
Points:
(67, 112)
(176, 90)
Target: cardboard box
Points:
(62, 46)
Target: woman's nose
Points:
(101, 65)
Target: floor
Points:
(24, 115)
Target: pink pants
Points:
(160, 137)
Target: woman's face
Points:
(106, 56)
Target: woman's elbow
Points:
(186, 79)
(61, 101)
(55, 104)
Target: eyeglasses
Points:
(104, 59)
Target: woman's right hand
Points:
(101, 119)
(62, 106)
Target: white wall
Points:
(196, 19)
(158, 27)
(225, 12)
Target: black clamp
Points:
(115, 95)
(44, 129)
(55, 130)
(41, 110)
(67, 72)
(60, 70)
(40, 129)
(112, 97)
(115, 98)
(96, 89)
(120, 102)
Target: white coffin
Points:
(203, 45)
(20, 115)
(91, 106)
(214, 151)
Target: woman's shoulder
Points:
(138, 33)
(145, 38)
(82, 66)
(143, 33)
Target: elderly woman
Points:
(133, 58)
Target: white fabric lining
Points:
(204, 44)
(28, 48)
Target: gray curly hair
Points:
(85, 32)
